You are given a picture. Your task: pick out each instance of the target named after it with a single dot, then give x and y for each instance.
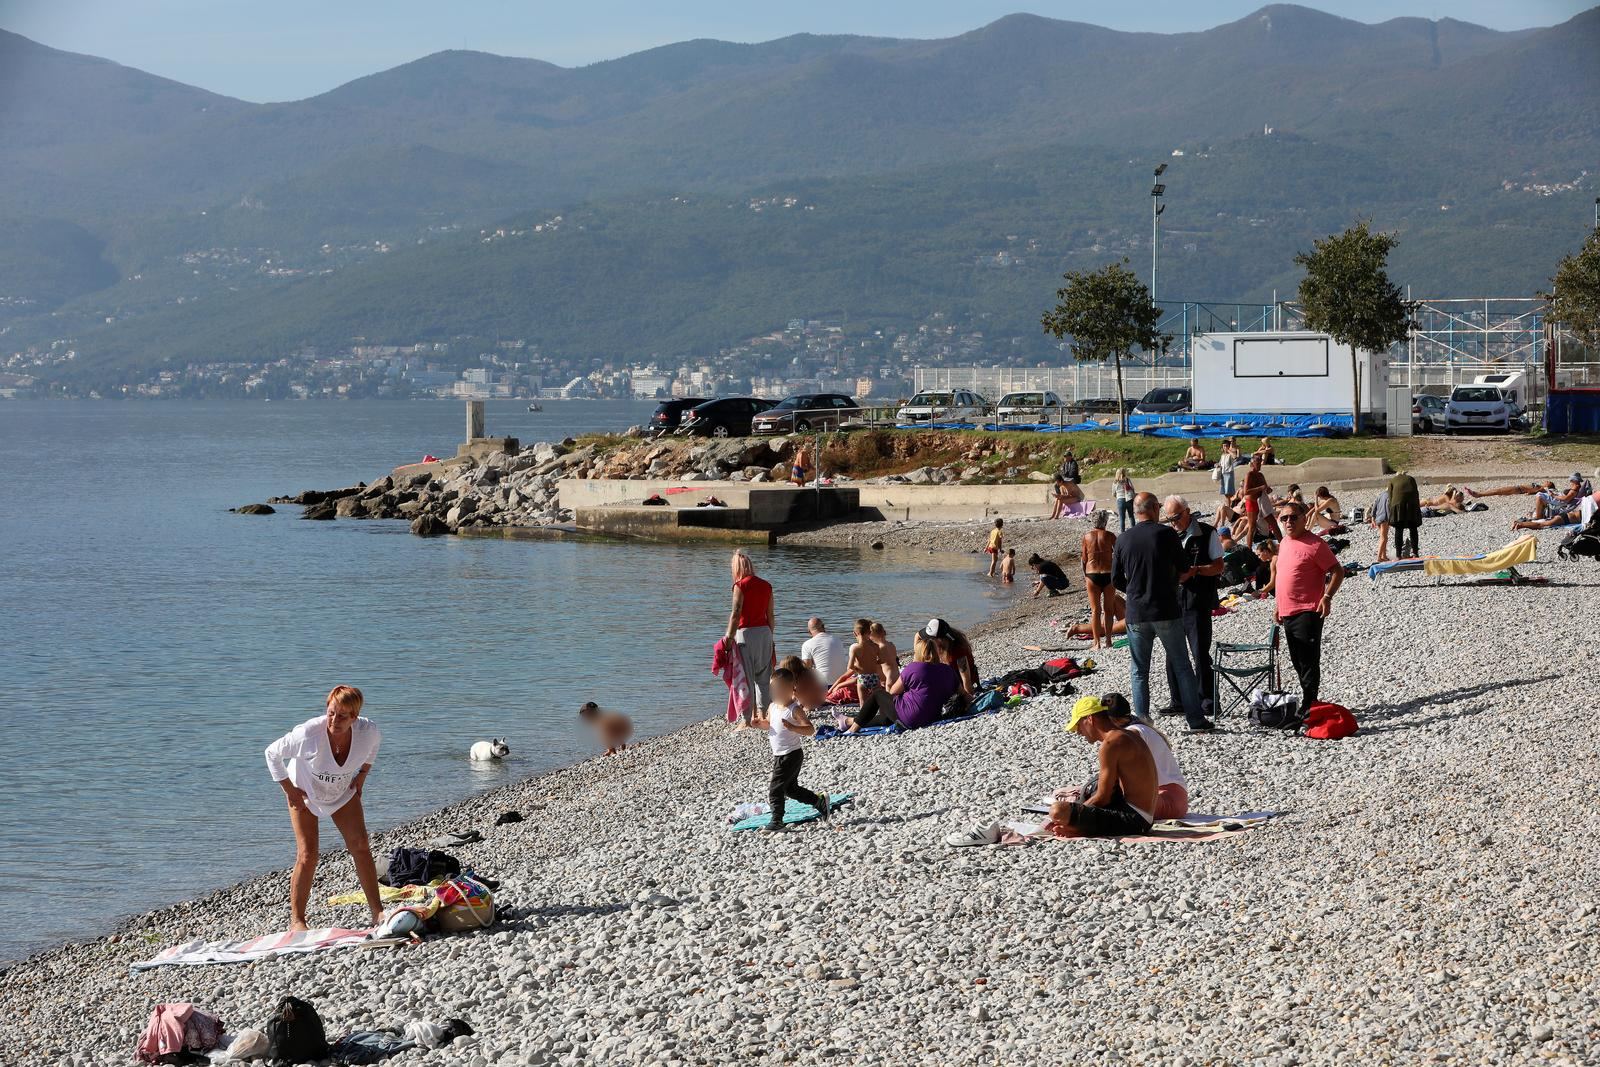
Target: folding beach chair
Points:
(1245, 667)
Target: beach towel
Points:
(1524, 549)
(1078, 510)
(388, 894)
(831, 733)
(196, 953)
(1197, 828)
(794, 812)
(726, 661)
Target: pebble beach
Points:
(1430, 894)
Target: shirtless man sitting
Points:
(1451, 500)
(1124, 799)
(1195, 458)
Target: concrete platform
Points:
(752, 513)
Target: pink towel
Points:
(197, 952)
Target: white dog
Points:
(490, 750)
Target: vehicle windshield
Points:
(1023, 400)
(931, 400)
(1164, 396)
(1482, 394)
(791, 403)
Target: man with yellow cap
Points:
(1124, 798)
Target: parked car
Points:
(806, 411)
(728, 416)
(1031, 407)
(960, 405)
(1479, 407)
(1106, 405)
(669, 413)
(1427, 413)
(1167, 400)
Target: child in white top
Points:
(787, 725)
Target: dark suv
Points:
(1165, 401)
(806, 411)
(729, 416)
(669, 413)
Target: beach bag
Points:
(1064, 667)
(295, 1033)
(419, 866)
(1274, 709)
(992, 700)
(175, 1032)
(1329, 722)
(464, 904)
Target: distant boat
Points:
(535, 406)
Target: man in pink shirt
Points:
(1308, 576)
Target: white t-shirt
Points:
(828, 653)
(1586, 510)
(783, 739)
(305, 757)
(1167, 770)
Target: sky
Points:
(271, 50)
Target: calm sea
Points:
(153, 644)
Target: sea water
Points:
(152, 644)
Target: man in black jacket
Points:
(1147, 565)
(1197, 595)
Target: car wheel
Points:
(802, 426)
(1427, 425)
(719, 431)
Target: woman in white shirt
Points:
(321, 765)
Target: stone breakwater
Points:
(1431, 895)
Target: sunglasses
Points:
(1291, 516)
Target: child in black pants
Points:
(787, 725)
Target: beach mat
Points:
(793, 812)
(198, 953)
(829, 733)
(1197, 828)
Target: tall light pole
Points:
(1597, 212)
(1156, 208)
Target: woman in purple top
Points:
(918, 698)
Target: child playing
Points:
(614, 728)
(888, 655)
(865, 667)
(788, 724)
(996, 538)
(1008, 569)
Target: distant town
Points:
(818, 355)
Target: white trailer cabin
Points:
(1283, 373)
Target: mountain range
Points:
(643, 199)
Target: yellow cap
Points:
(1085, 707)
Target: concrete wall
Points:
(957, 503)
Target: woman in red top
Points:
(750, 625)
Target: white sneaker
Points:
(982, 834)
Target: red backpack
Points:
(1328, 722)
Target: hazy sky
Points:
(288, 49)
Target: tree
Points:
(1107, 313)
(1347, 294)
(1574, 297)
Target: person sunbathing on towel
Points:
(1124, 797)
(1451, 500)
(1528, 489)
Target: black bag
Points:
(295, 1034)
(419, 866)
(1275, 710)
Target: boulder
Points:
(408, 510)
(351, 507)
(321, 512)
(255, 509)
(378, 488)
(428, 525)
(921, 476)
(1040, 476)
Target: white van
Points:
(957, 405)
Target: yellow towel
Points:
(1523, 550)
(386, 893)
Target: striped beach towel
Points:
(196, 953)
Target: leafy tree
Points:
(1107, 313)
(1574, 297)
(1347, 294)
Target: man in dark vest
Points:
(1197, 594)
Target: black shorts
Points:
(1116, 819)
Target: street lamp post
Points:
(1156, 208)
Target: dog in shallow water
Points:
(490, 750)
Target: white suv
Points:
(959, 405)
(1482, 407)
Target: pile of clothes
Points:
(184, 1034)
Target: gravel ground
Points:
(1430, 897)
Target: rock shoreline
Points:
(1429, 897)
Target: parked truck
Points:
(1284, 373)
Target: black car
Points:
(806, 411)
(728, 416)
(669, 413)
(1165, 401)
(1105, 405)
